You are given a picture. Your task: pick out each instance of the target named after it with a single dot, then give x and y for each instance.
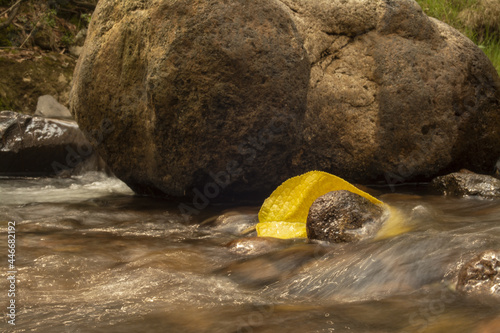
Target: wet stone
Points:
(36, 146)
(343, 216)
(481, 275)
(237, 221)
(467, 184)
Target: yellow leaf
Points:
(291, 201)
(282, 229)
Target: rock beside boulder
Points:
(343, 216)
(226, 98)
(49, 107)
(467, 184)
(34, 146)
(481, 275)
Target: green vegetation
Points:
(51, 25)
(54, 24)
(479, 20)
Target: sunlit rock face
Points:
(210, 99)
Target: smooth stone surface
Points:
(49, 107)
(275, 266)
(343, 216)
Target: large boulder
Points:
(394, 94)
(196, 90)
(233, 97)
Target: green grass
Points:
(479, 20)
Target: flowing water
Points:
(92, 257)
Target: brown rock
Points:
(481, 275)
(343, 216)
(467, 184)
(275, 266)
(394, 94)
(195, 89)
(35, 146)
(231, 97)
(491, 326)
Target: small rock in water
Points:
(343, 216)
(275, 266)
(481, 275)
(467, 184)
(257, 245)
(234, 221)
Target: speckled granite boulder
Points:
(228, 98)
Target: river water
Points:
(92, 257)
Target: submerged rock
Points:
(481, 275)
(236, 221)
(343, 216)
(491, 326)
(250, 246)
(35, 146)
(275, 266)
(225, 98)
(467, 184)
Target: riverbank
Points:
(39, 44)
